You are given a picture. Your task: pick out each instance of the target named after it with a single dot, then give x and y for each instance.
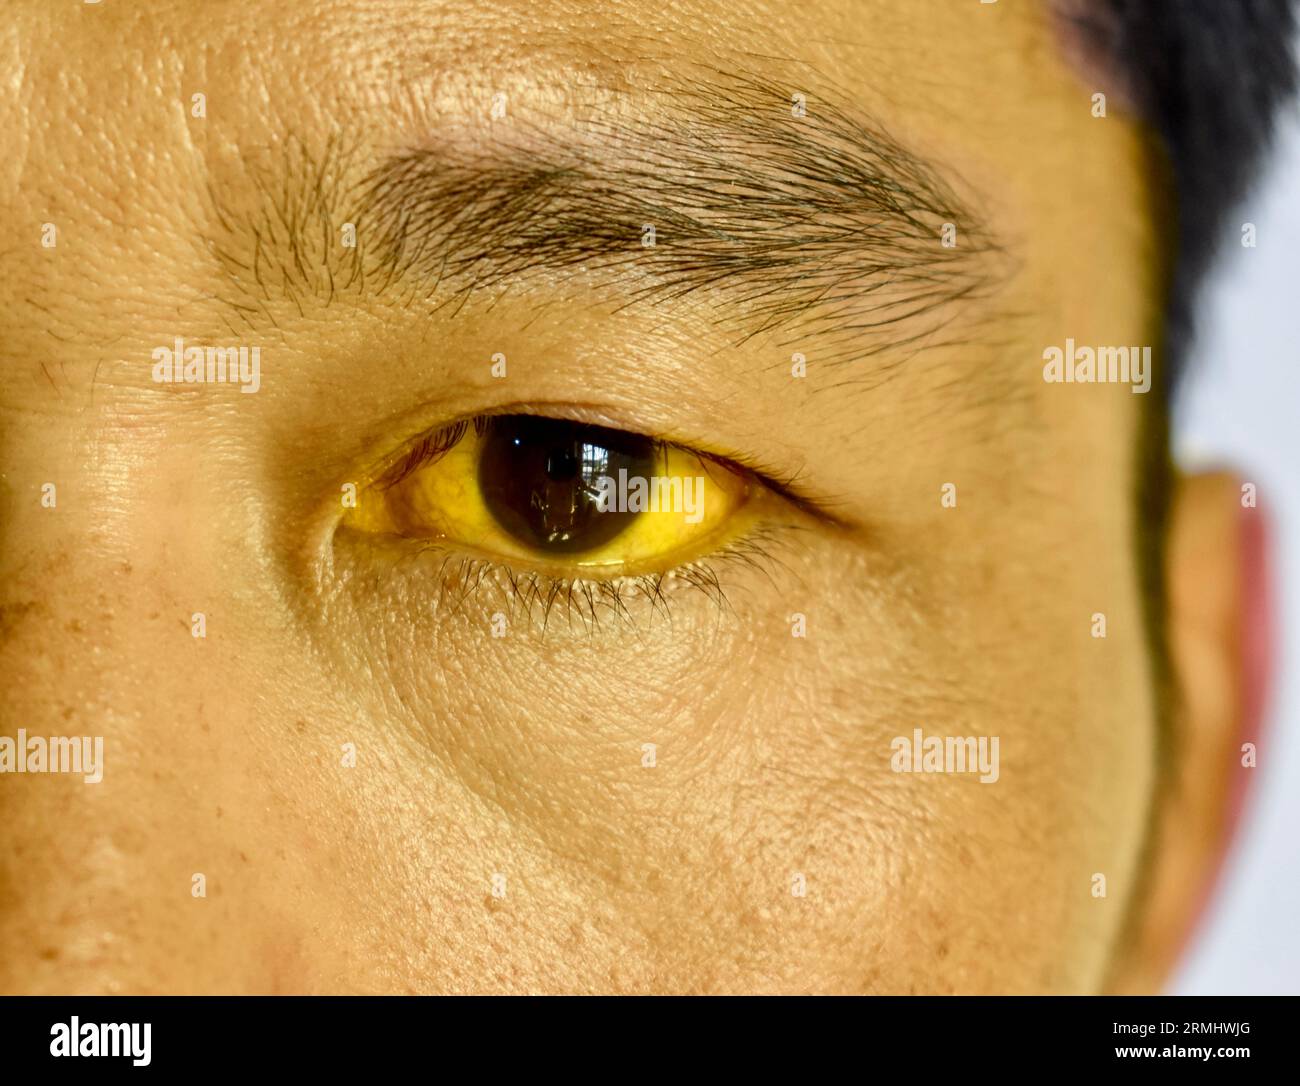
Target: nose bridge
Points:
(98, 661)
(105, 557)
(70, 555)
(84, 630)
(69, 644)
(71, 710)
(89, 501)
(73, 559)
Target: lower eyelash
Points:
(465, 580)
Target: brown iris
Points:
(538, 477)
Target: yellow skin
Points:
(525, 756)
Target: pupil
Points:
(538, 477)
(562, 465)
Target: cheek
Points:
(719, 810)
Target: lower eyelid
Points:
(757, 515)
(452, 582)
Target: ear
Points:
(1219, 640)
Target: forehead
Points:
(392, 67)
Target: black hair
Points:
(1209, 77)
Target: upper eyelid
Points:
(786, 486)
(438, 441)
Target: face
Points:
(399, 685)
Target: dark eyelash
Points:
(439, 443)
(430, 448)
(586, 601)
(436, 444)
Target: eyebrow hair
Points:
(821, 224)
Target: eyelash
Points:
(431, 448)
(589, 599)
(586, 600)
(438, 443)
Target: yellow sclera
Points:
(682, 512)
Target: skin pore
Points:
(500, 829)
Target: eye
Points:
(556, 493)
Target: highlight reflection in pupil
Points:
(538, 479)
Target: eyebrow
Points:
(819, 224)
